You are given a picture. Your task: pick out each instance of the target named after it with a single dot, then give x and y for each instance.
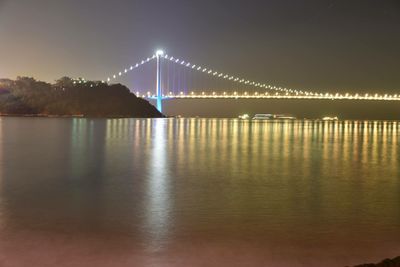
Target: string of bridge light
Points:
(232, 78)
(128, 69)
(256, 95)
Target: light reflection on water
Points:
(284, 193)
(158, 188)
(1, 172)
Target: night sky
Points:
(323, 45)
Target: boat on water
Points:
(263, 117)
(273, 117)
(244, 117)
(330, 118)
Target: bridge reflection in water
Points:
(179, 192)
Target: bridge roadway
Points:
(236, 95)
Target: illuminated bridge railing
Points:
(236, 95)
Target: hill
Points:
(67, 97)
(386, 263)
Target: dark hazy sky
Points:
(318, 44)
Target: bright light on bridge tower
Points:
(159, 54)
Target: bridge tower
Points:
(159, 55)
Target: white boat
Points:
(273, 117)
(284, 117)
(330, 118)
(244, 117)
(263, 117)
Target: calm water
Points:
(197, 192)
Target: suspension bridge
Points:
(164, 89)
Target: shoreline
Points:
(74, 116)
(176, 117)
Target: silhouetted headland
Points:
(68, 97)
(385, 263)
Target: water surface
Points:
(198, 192)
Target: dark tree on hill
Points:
(68, 97)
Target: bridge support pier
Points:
(159, 54)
